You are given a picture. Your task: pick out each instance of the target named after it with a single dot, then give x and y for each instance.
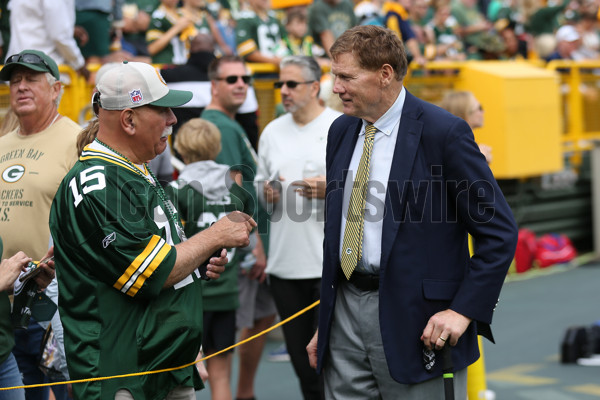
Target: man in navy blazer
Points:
(416, 288)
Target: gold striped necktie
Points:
(355, 220)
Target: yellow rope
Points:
(104, 378)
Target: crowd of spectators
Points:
(161, 31)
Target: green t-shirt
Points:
(199, 210)
(323, 17)
(545, 20)
(237, 152)
(7, 338)
(467, 16)
(253, 33)
(114, 240)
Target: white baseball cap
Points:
(567, 33)
(136, 84)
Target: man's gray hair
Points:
(310, 67)
(51, 81)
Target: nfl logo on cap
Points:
(136, 96)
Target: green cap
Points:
(33, 59)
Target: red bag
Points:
(553, 248)
(526, 250)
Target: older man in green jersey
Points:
(130, 290)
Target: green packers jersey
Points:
(253, 33)
(114, 240)
(198, 212)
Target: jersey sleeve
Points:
(157, 28)
(246, 39)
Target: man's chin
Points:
(161, 147)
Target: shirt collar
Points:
(389, 120)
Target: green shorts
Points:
(97, 25)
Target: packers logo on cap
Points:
(160, 76)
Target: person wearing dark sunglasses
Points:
(290, 84)
(229, 88)
(291, 172)
(42, 150)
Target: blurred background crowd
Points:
(162, 31)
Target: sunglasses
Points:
(231, 79)
(28, 58)
(479, 108)
(289, 84)
(96, 103)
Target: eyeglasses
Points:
(478, 108)
(289, 84)
(232, 79)
(28, 58)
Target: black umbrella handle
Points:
(448, 371)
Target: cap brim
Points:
(7, 70)
(174, 98)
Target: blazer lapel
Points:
(407, 144)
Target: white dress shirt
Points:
(381, 161)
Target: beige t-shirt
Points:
(31, 169)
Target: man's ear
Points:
(56, 86)
(128, 121)
(386, 74)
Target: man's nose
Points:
(337, 86)
(171, 118)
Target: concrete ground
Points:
(529, 324)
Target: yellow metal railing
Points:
(580, 94)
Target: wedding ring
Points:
(442, 339)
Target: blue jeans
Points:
(9, 377)
(27, 352)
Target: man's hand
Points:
(48, 272)
(311, 349)
(257, 271)
(272, 192)
(81, 35)
(233, 229)
(313, 187)
(10, 268)
(445, 327)
(216, 265)
(85, 73)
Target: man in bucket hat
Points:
(130, 292)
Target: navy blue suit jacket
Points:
(440, 190)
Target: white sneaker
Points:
(280, 354)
